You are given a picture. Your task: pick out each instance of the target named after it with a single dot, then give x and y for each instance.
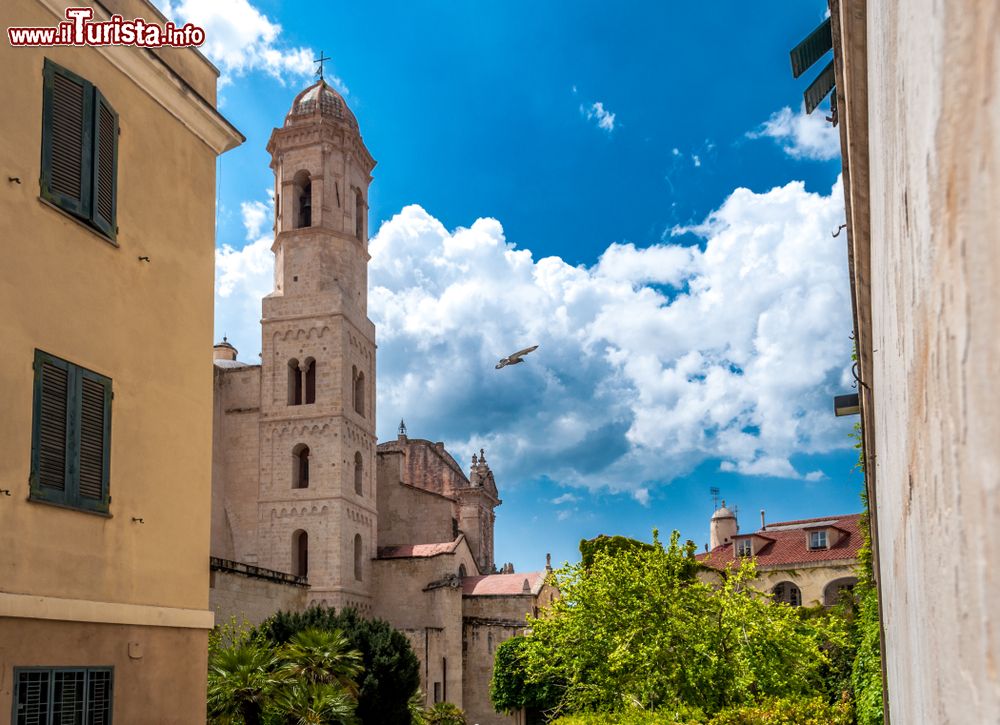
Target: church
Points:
(307, 506)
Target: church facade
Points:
(307, 507)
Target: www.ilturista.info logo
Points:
(80, 29)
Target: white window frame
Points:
(744, 547)
(819, 540)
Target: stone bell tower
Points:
(317, 513)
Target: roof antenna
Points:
(714, 490)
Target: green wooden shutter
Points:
(51, 431)
(94, 440)
(105, 181)
(67, 140)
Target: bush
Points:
(445, 713)
(391, 669)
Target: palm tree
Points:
(312, 703)
(240, 683)
(321, 657)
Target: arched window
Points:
(837, 589)
(359, 393)
(310, 376)
(300, 553)
(359, 215)
(357, 557)
(358, 474)
(300, 466)
(788, 593)
(294, 383)
(462, 570)
(303, 200)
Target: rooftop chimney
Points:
(763, 526)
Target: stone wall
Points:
(237, 592)
(397, 524)
(933, 346)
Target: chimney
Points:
(763, 526)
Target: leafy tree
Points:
(391, 669)
(637, 628)
(321, 657)
(609, 545)
(510, 690)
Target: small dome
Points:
(723, 513)
(321, 99)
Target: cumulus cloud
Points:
(724, 342)
(801, 135)
(242, 277)
(565, 498)
(597, 113)
(239, 38)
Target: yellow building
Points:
(107, 174)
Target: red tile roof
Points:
(502, 584)
(417, 551)
(788, 544)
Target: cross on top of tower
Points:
(322, 58)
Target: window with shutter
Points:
(52, 696)
(71, 435)
(79, 149)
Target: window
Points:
(310, 374)
(358, 474)
(79, 149)
(437, 692)
(71, 435)
(817, 539)
(462, 572)
(838, 590)
(300, 553)
(788, 593)
(47, 696)
(359, 215)
(359, 391)
(357, 557)
(300, 466)
(294, 383)
(744, 547)
(303, 200)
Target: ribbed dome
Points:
(723, 513)
(321, 99)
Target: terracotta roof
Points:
(418, 551)
(788, 543)
(502, 584)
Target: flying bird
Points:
(515, 358)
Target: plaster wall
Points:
(934, 121)
(161, 681)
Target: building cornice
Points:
(32, 606)
(166, 87)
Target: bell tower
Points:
(317, 512)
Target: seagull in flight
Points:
(515, 358)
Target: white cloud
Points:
(650, 361)
(801, 135)
(242, 277)
(239, 38)
(565, 498)
(596, 112)
(696, 160)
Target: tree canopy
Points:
(636, 627)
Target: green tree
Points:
(241, 682)
(637, 628)
(302, 702)
(391, 669)
(321, 657)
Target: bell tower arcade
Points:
(317, 515)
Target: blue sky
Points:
(654, 211)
